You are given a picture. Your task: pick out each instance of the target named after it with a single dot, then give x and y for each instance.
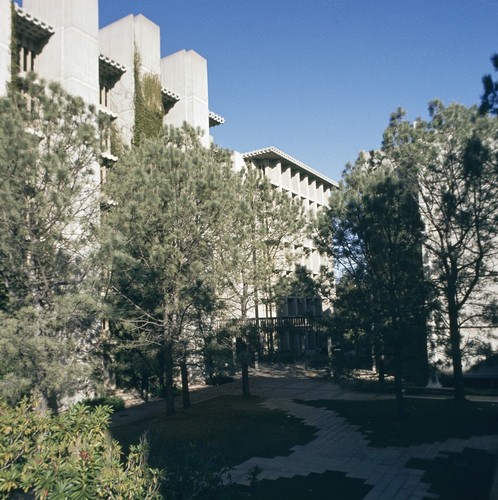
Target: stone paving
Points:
(338, 445)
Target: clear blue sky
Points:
(319, 78)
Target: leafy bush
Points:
(317, 360)
(195, 476)
(219, 379)
(115, 402)
(218, 358)
(70, 455)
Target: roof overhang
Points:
(31, 27)
(273, 153)
(109, 68)
(169, 97)
(215, 119)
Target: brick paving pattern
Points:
(337, 445)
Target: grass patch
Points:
(312, 487)
(222, 432)
(195, 444)
(428, 420)
(459, 476)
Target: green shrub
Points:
(70, 455)
(219, 379)
(115, 402)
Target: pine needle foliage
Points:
(374, 231)
(171, 219)
(489, 98)
(455, 158)
(48, 208)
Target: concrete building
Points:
(60, 41)
(313, 190)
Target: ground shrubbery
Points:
(197, 445)
(115, 402)
(70, 455)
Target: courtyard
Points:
(350, 444)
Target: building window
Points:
(109, 74)
(31, 36)
(104, 95)
(26, 57)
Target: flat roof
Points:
(276, 154)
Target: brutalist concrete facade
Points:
(60, 41)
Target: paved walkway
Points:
(337, 446)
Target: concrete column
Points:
(286, 177)
(185, 73)
(319, 194)
(304, 185)
(295, 181)
(326, 196)
(278, 173)
(119, 41)
(5, 34)
(268, 170)
(238, 161)
(71, 57)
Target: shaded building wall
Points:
(5, 40)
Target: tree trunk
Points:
(398, 389)
(168, 379)
(398, 370)
(48, 402)
(381, 372)
(245, 379)
(242, 349)
(456, 352)
(145, 386)
(379, 361)
(185, 389)
(456, 356)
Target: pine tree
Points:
(374, 232)
(267, 231)
(171, 206)
(455, 158)
(489, 98)
(48, 207)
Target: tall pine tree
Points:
(48, 207)
(455, 158)
(170, 217)
(267, 232)
(374, 231)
